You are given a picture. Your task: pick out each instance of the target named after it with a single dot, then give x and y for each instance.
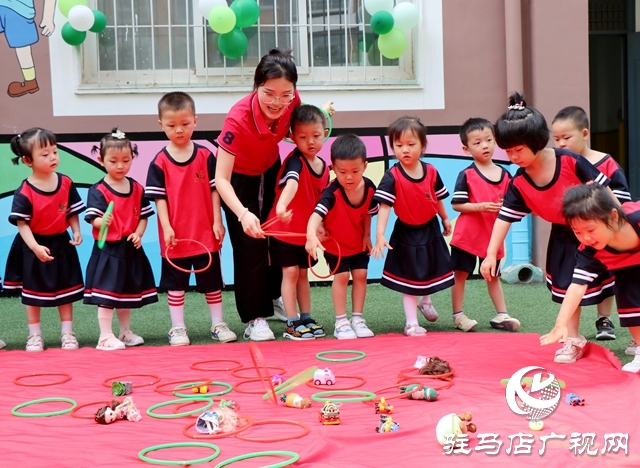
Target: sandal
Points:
(315, 327)
(298, 331)
(110, 343)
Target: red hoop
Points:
(175, 241)
(331, 273)
(235, 372)
(399, 395)
(363, 381)
(196, 384)
(247, 419)
(65, 378)
(197, 363)
(236, 387)
(403, 374)
(276, 439)
(448, 382)
(157, 379)
(258, 362)
(75, 410)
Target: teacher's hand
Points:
(251, 225)
(328, 106)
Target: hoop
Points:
(190, 384)
(276, 439)
(294, 381)
(329, 122)
(175, 241)
(448, 382)
(404, 374)
(104, 229)
(66, 377)
(15, 409)
(294, 458)
(219, 435)
(362, 380)
(331, 273)
(324, 396)
(258, 362)
(401, 394)
(106, 384)
(280, 370)
(360, 355)
(197, 363)
(84, 405)
(227, 389)
(236, 387)
(142, 454)
(184, 413)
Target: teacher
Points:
(248, 161)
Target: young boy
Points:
(302, 178)
(570, 128)
(346, 207)
(478, 196)
(182, 176)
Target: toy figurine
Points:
(200, 389)
(293, 400)
(574, 400)
(229, 404)
(536, 424)
(382, 407)
(387, 424)
(454, 424)
(329, 414)
(425, 393)
(324, 377)
(421, 361)
(276, 379)
(219, 420)
(125, 409)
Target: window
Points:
(166, 43)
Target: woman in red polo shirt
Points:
(247, 167)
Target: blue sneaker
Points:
(343, 331)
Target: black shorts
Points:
(207, 281)
(284, 254)
(358, 261)
(465, 261)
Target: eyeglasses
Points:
(268, 98)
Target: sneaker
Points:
(68, 340)
(427, 309)
(505, 322)
(178, 337)
(413, 329)
(464, 323)
(605, 328)
(297, 330)
(571, 350)
(631, 348)
(110, 343)
(258, 330)
(278, 310)
(131, 339)
(35, 343)
(343, 331)
(315, 327)
(359, 326)
(222, 333)
(633, 366)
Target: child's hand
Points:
(169, 236)
(219, 231)
(283, 214)
(312, 246)
(446, 224)
(251, 225)
(558, 333)
(328, 106)
(488, 268)
(107, 220)
(366, 244)
(43, 253)
(378, 251)
(322, 233)
(136, 239)
(77, 239)
(490, 207)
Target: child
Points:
(302, 179)
(610, 237)
(570, 129)
(346, 207)
(43, 262)
(478, 196)
(182, 176)
(538, 186)
(418, 262)
(119, 274)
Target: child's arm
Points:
(163, 217)
(136, 236)
(570, 303)
(488, 207)
(218, 227)
(74, 222)
(42, 252)
(313, 243)
(286, 196)
(381, 240)
(444, 216)
(489, 265)
(366, 238)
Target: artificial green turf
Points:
(531, 304)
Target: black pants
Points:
(256, 283)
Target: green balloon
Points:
(233, 44)
(382, 22)
(247, 12)
(99, 23)
(72, 36)
(65, 5)
(393, 44)
(222, 19)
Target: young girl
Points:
(610, 240)
(418, 262)
(43, 263)
(538, 186)
(119, 274)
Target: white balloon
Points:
(205, 6)
(374, 6)
(81, 18)
(405, 16)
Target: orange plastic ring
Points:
(236, 387)
(259, 363)
(404, 374)
(65, 378)
(448, 382)
(399, 395)
(247, 419)
(276, 439)
(170, 246)
(197, 363)
(362, 380)
(105, 382)
(281, 371)
(331, 273)
(196, 384)
(75, 410)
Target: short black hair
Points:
(348, 147)
(277, 63)
(306, 114)
(591, 202)
(473, 124)
(574, 113)
(411, 124)
(176, 101)
(522, 125)
(22, 145)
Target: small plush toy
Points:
(574, 400)
(293, 400)
(125, 409)
(454, 424)
(387, 424)
(425, 393)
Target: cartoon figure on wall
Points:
(17, 22)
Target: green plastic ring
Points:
(184, 413)
(228, 389)
(294, 458)
(360, 355)
(104, 229)
(324, 396)
(142, 454)
(15, 409)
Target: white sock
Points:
(105, 317)
(124, 319)
(176, 308)
(410, 308)
(34, 329)
(66, 326)
(214, 301)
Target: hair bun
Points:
(517, 102)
